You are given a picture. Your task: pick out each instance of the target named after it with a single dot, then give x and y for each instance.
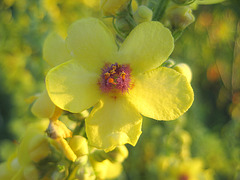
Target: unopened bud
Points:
(169, 63)
(123, 25)
(111, 7)
(30, 172)
(180, 17)
(79, 145)
(39, 148)
(119, 154)
(185, 70)
(143, 14)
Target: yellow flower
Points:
(143, 14)
(190, 169)
(172, 168)
(185, 70)
(28, 148)
(121, 83)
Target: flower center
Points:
(115, 78)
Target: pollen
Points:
(115, 78)
(123, 75)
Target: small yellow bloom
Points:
(120, 83)
(173, 168)
(35, 129)
(185, 70)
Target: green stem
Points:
(69, 170)
(129, 16)
(159, 11)
(120, 34)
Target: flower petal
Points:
(55, 51)
(112, 123)
(91, 43)
(43, 107)
(147, 46)
(162, 94)
(72, 88)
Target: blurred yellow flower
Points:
(121, 82)
(173, 168)
(111, 7)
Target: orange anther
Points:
(123, 74)
(111, 81)
(107, 75)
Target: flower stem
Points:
(159, 11)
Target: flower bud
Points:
(30, 172)
(38, 148)
(99, 155)
(180, 17)
(79, 145)
(185, 70)
(119, 154)
(56, 129)
(123, 25)
(111, 7)
(169, 63)
(143, 14)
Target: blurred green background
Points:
(208, 134)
